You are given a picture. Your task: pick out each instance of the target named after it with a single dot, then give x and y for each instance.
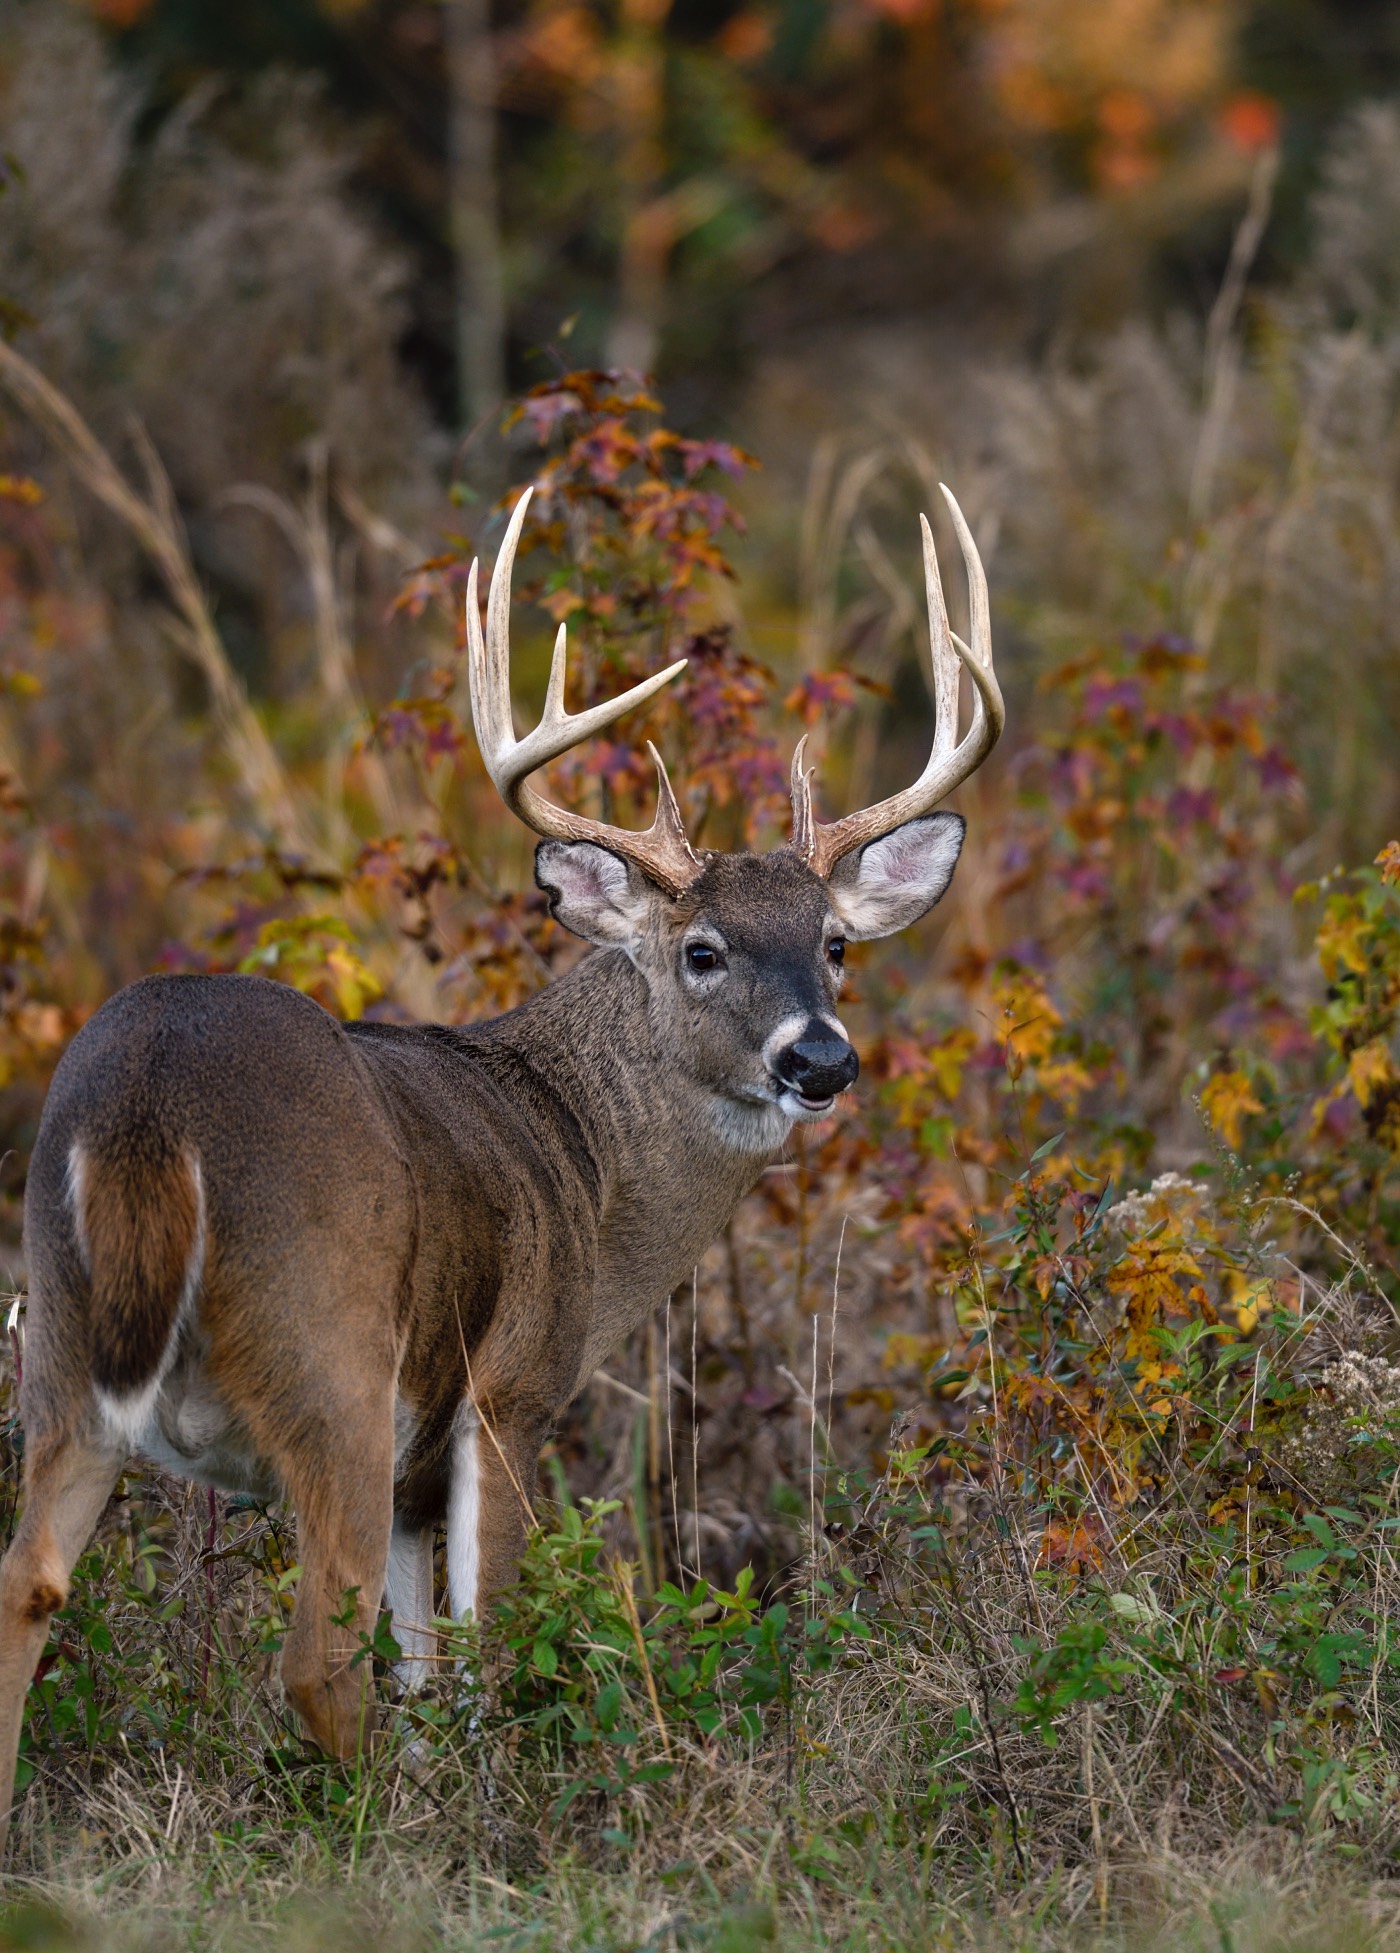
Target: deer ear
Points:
(889, 883)
(593, 892)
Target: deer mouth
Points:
(800, 1105)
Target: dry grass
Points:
(901, 1795)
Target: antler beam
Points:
(951, 761)
(662, 853)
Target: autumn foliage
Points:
(1078, 1272)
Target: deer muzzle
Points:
(817, 1066)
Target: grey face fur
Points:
(747, 963)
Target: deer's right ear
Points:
(593, 892)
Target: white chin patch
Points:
(754, 1126)
(805, 1110)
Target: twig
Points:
(1095, 1828)
(629, 1603)
(1221, 361)
(155, 526)
(671, 1444)
(695, 1415)
(812, 1466)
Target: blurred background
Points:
(1123, 272)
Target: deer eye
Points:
(836, 950)
(703, 957)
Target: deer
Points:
(365, 1266)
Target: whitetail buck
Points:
(365, 1266)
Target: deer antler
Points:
(662, 853)
(951, 761)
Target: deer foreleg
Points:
(67, 1483)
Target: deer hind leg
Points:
(340, 1479)
(494, 1460)
(67, 1481)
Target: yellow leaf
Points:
(1031, 1020)
(1149, 1277)
(948, 1060)
(1369, 1070)
(1251, 1296)
(1388, 861)
(355, 985)
(1066, 1080)
(1341, 941)
(1226, 1101)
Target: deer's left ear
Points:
(889, 883)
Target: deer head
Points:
(742, 954)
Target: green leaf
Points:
(1129, 1607)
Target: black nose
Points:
(818, 1065)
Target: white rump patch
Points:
(464, 1514)
(131, 1417)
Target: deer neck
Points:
(674, 1158)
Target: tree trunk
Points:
(474, 215)
(638, 79)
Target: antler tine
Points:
(800, 792)
(951, 761)
(945, 658)
(663, 853)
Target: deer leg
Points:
(408, 1594)
(67, 1481)
(494, 1459)
(342, 1487)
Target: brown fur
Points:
(396, 1229)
